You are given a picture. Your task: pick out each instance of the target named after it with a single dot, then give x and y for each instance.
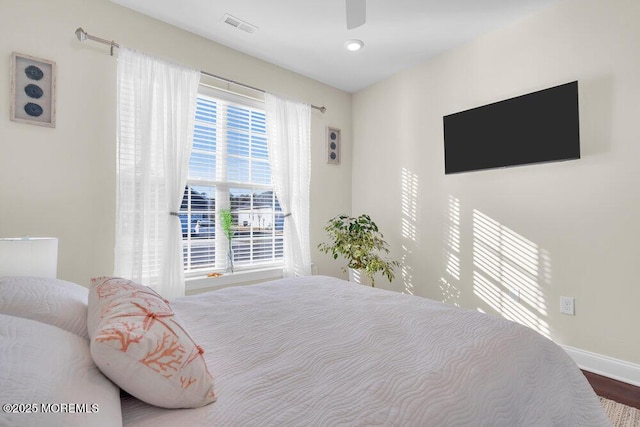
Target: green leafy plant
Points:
(360, 242)
(226, 223)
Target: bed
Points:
(309, 351)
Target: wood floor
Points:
(608, 388)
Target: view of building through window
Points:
(229, 169)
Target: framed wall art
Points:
(33, 90)
(333, 145)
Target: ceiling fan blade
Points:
(356, 13)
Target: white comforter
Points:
(317, 351)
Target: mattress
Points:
(318, 351)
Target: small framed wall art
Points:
(33, 90)
(333, 145)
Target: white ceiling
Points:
(308, 36)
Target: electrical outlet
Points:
(567, 305)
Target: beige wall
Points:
(564, 229)
(61, 182)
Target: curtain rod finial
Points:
(81, 34)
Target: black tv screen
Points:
(538, 127)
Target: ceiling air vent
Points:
(239, 24)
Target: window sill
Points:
(198, 284)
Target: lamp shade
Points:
(29, 256)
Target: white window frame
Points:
(197, 279)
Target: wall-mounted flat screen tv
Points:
(538, 127)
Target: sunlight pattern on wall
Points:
(409, 204)
(406, 272)
(508, 270)
(451, 276)
(409, 220)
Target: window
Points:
(229, 168)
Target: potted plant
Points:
(226, 223)
(358, 240)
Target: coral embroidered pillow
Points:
(137, 341)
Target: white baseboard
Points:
(604, 365)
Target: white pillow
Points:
(137, 341)
(51, 374)
(53, 301)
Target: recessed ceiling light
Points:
(354, 45)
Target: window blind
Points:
(229, 168)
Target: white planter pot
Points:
(359, 276)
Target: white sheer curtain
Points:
(156, 113)
(289, 140)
